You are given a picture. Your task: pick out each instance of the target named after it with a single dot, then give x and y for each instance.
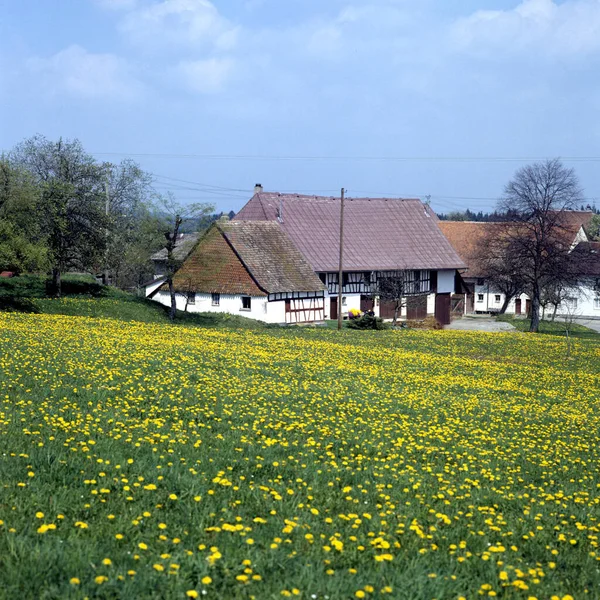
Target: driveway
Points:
(480, 324)
(593, 324)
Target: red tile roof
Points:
(379, 233)
(466, 238)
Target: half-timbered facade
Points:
(251, 269)
(383, 237)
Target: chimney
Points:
(258, 188)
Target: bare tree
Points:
(502, 268)
(534, 238)
(177, 214)
(393, 287)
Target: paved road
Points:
(593, 324)
(480, 324)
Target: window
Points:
(497, 298)
(345, 279)
(216, 299)
(571, 303)
(191, 298)
(597, 302)
(246, 303)
(323, 277)
(479, 297)
(480, 281)
(343, 300)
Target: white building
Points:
(250, 269)
(466, 238)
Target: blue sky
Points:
(369, 80)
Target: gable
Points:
(213, 267)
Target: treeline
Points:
(496, 216)
(62, 210)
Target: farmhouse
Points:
(467, 238)
(247, 268)
(382, 237)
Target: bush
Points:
(367, 322)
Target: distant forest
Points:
(204, 222)
(491, 217)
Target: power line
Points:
(353, 158)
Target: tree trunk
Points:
(554, 312)
(173, 300)
(395, 315)
(55, 286)
(507, 300)
(535, 311)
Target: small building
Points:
(382, 237)
(247, 268)
(183, 246)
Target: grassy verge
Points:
(556, 327)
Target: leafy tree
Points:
(71, 210)
(594, 228)
(21, 245)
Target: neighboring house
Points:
(382, 236)
(585, 301)
(183, 246)
(481, 297)
(251, 269)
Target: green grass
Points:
(556, 327)
(139, 459)
(83, 296)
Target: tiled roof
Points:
(571, 221)
(271, 257)
(466, 237)
(246, 257)
(213, 267)
(379, 233)
(183, 246)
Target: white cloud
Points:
(206, 76)
(187, 23)
(91, 76)
(568, 29)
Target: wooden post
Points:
(341, 269)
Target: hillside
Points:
(82, 296)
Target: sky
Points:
(430, 98)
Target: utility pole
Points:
(107, 210)
(341, 269)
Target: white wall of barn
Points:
(445, 283)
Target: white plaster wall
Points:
(586, 306)
(431, 304)
(352, 301)
(445, 281)
(151, 287)
(261, 309)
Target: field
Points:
(144, 460)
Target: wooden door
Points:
(333, 309)
(366, 303)
(386, 309)
(518, 306)
(528, 307)
(416, 308)
(442, 308)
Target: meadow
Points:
(148, 460)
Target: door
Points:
(518, 306)
(528, 307)
(366, 303)
(333, 309)
(442, 308)
(387, 309)
(416, 308)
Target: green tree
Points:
(22, 248)
(71, 210)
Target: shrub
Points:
(367, 322)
